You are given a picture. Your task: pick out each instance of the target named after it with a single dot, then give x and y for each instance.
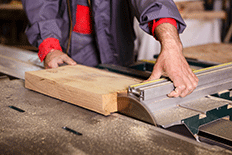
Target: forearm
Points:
(168, 37)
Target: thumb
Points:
(156, 74)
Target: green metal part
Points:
(193, 123)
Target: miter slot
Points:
(72, 131)
(17, 109)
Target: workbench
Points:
(33, 123)
(36, 127)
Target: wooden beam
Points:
(84, 86)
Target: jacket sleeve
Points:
(47, 19)
(149, 10)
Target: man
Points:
(102, 32)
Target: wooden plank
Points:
(189, 6)
(87, 87)
(195, 10)
(220, 53)
(204, 15)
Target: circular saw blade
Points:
(129, 106)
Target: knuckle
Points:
(50, 64)
(182, 87)
(64, 56)
(195, 84)
(182, 95)
(189, 88)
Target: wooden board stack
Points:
(84, 86)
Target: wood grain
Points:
(220, 53)
(87, 87)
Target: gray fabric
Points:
(113, 38)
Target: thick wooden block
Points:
(87, 87)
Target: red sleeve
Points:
(153, 24)
(47, 45)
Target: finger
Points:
(69, 61)
(182, 85)
(156, 74)
(177, 91)
(187, 90)
(174, 93)
(54, 63)
(191, 84)
(194, 82)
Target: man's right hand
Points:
(56, 58)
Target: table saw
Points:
(147, 122)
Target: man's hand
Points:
(172, 63)
(56, 58)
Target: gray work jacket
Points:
(113, 39)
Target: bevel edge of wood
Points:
(109, 100)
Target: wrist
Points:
(168, 37)
(48, 45)
(155, 23)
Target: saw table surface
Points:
(37, 129)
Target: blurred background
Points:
(13, 22)
(208, 21)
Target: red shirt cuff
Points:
(47, 45)
(153, 24)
